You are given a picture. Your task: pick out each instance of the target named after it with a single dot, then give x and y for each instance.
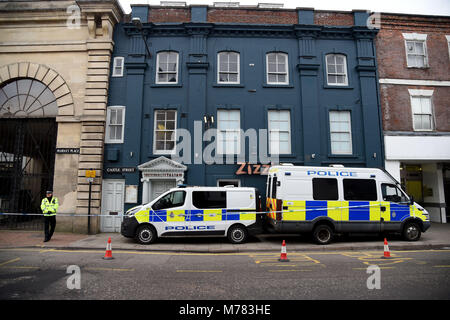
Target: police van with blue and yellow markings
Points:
(328, 200)
(196, 211)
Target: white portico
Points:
(159, 175)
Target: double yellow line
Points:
(4, 265)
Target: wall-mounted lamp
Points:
(138, 24)
(208, 121)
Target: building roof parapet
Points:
(254, 30)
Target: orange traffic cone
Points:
(283, 257)
(387, 253)
(108, 253)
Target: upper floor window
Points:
(118, 67)
(167, 67)
(228, 67)
(448, 44)
(228, 131)
(422, 111)
(277, 68)
(164, 137)
(336, 65)
(416, 50)
(341, 132)
(279, 132)
(115, 124)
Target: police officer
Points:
(49, 206)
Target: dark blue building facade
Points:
(312, 87)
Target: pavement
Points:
(437, 237)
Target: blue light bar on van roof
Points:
(372, 176)
(287, 173)
(182, 186)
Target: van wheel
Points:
(323, 234)
(237, 234)
(411, 231)
(146, 234)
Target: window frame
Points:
(350, 133)
(157, 82)
(404, 199)
(269, 130)
(194, 199)
(346, 83)
(228, 72)
(168, 194)
(161, 152)
(286, 73)
(108, 124)
(372, 181)
(323, 179)
(115, 64)
(422, 94)
(416, 37)
(238, 181)
(219, 145)
(447, 37)
(273, 194)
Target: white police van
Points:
(196, 211)
(336, 199)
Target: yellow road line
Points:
(441, 266)
(199, 271)
(18, 267)
(248, 254)
(281, 265)
(378, 267)
(108, 269)
(9, 261)
(291, 270)
(311, 259)
(290, 259)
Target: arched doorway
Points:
(28, 130)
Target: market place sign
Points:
(67, 150)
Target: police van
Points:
(336, 199)
(197, 211)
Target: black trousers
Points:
(49, 226)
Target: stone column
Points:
(196, 105)
(99, 49)
(368, 80)
(308, 67)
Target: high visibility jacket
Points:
(49, 207)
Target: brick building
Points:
(413, 54)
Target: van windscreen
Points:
(209, 199)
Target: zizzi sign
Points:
(252, 169)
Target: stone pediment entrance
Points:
(159, 175)
(162, 168)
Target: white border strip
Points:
(411, 82)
